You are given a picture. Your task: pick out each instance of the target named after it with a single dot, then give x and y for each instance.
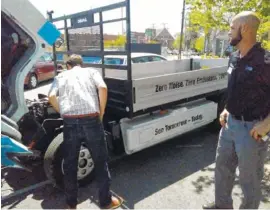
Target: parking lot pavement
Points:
(175, 174)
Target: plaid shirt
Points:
(77, 91)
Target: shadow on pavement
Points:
(204, 182)
(16, 179)
(134, 177)
(152, 170)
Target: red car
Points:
(43, 70)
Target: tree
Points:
(214, 16)
(199, 44)
(152, 42)
(176, 43)
(190, 37)
(108, 43)
(120, 41)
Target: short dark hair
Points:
(74, 60)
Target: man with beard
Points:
(245, 119)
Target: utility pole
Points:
(153, 32)
(182, 29)
(122, 16)
(164, 25)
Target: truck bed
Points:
(155, 85)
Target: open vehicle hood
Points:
(25, 35)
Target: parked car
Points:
(135, 58)
(43, 70)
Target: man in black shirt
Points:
(246, 118)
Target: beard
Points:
(236, 40)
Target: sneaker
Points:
(213, 206)
(116, 202)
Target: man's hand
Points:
(267, 57)
(223, 117)
(260, 130)
(53, 100)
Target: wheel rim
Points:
(85, 164)
(33, 81)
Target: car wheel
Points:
(33, 81)
(54, 162)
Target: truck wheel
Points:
(33, 81)
(54, 161)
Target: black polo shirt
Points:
(249, 84)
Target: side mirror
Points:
(58, 43)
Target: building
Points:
(150, 34)
(162, 36)
(137, 37)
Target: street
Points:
(176, 174)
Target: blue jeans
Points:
(237, 148)
(89, 130)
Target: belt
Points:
(82, 115)
(247, 119)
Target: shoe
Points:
(213, 206)
(71, 207)
(115, 203)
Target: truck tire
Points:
(54, 159)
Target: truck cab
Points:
(23, 42)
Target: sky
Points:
(144, 13)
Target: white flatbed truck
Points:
(148, 103)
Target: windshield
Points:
(46, 58)
(113, 61)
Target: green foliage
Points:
(208, 15)
(119, 42)
(152, 42)
(199, 44)
(176, 43)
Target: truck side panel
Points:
(148, 130)
(154, 91)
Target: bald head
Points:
(248, 19)
(244, 28)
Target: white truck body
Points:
(148, 130)
(163, 82)
(135, 102)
